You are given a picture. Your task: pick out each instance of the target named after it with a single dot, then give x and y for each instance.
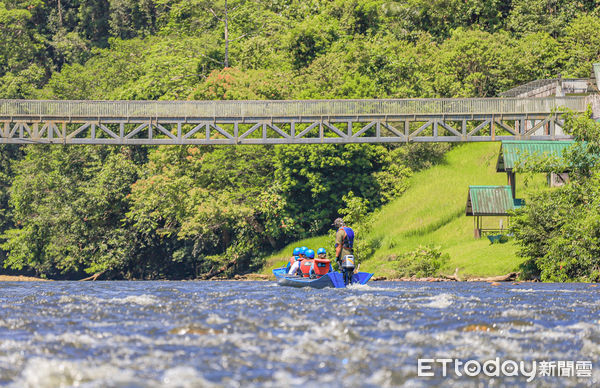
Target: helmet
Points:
(321, 251)
(338, 222)
(296, 251)
(303, 250)
(310, 253)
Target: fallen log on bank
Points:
(452, 277)
(92, 278)
(217, 271)
(504, 278)
(251, 277)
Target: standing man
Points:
(344, 241)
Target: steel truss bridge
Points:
(286, 122)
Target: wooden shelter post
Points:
(512, 182)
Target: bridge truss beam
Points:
(282, 130)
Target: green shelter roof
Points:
(511, 149)
(491, 201)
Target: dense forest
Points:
(181, 212)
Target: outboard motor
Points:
(347, 268)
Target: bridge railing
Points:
(298, 108)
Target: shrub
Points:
(424, 261)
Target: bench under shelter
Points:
(491, 204)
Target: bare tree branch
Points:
(215, 15)
(239, 37)
(233, 10)
(211, 58)
(228, 15)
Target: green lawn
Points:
(432, 212)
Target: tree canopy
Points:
(155, 212)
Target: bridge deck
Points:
(284, 122)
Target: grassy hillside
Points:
(432, 212)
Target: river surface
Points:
(255, 334)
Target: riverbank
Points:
(247, 278)
(264, 277)
(510, 277)
(6, 278)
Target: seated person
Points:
(293, 259)
(322, 254)
(296, 266)
(321, 265)
(306, 264)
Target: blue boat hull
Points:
(332, 279)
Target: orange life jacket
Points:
(305, 267)
(321, 267)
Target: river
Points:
(258, 334)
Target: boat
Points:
(331, 279)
